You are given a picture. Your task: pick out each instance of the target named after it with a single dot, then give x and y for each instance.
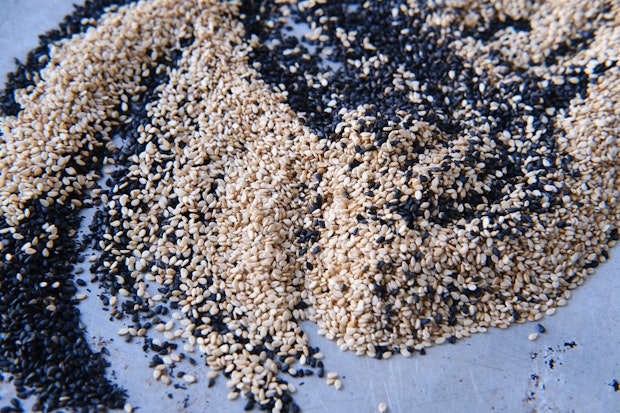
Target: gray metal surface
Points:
(569, 368)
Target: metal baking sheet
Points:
(570, 368)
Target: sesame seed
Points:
(397, 197)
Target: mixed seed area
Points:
(448, 192)
(402, 173)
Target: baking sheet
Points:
(569, 368)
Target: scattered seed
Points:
(338, 384)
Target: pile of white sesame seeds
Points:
(233, 214)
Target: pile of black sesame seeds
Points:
(403, 173)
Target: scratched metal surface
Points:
(570, 368)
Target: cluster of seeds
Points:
(447, 194)
(404, 174)
(204, 208)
